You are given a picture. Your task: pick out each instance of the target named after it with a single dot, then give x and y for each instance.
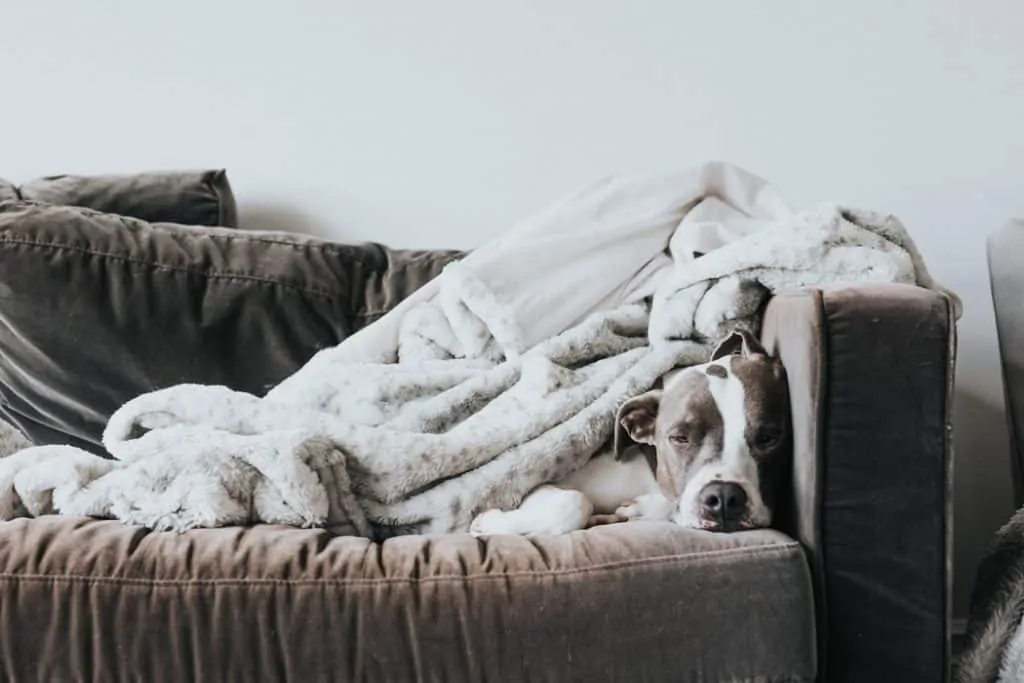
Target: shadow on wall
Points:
(980, 423)
(268, 217)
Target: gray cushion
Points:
(8, 190)
(186, 197)
(630, 602)
(96, 309)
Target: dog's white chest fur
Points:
(608, 483)
(604, 486)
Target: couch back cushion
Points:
(97, 308)
(187, 197)
(8, 190)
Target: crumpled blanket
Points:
(993, 650)
(503, 373)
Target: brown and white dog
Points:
(709, 450)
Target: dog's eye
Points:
(767, 439)
(679, 439)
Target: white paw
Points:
(630, 510)
(651, 506)
(488, 523)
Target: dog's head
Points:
(721, 436)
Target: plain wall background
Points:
(440, 123)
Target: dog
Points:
(709, 450)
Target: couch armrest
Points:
(871, 373)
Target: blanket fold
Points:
(502, 374)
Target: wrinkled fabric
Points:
(8, 191)
(96, 309)
(93, 600)
(993, 647)
(185, 197)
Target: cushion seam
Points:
(780, 549)
(326, 247)
(213, 274)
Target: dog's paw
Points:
(647, 507)
(489, 523)
(629, 510)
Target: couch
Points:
(111, 286)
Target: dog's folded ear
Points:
(741, 341)
(635, 420)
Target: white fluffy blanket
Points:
(503, 373)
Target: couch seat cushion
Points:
(96, 600)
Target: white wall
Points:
(437, 123)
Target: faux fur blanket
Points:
(993, 650)
(503, 373)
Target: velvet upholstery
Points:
(870, 371)
(95, 308)
(92, 600)
(185, 197)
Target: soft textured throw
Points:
(503, 373)
(993, 650)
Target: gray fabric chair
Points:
(1006, 273)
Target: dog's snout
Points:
(723, 502)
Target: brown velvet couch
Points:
(100, 304)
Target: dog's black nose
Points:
(723, 501)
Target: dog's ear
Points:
(635, 420)
(741, 341)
